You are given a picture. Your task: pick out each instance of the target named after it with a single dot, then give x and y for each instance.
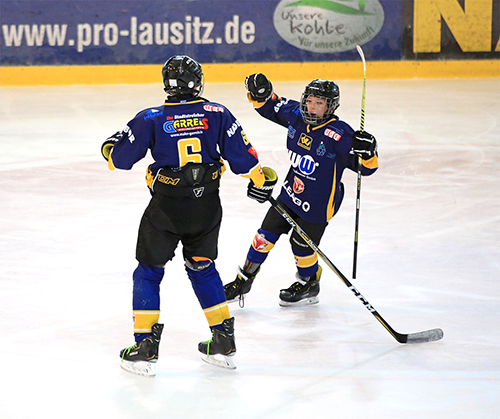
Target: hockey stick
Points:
(419, 337)
(360, 162)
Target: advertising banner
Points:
(88, 32)
(146, 32)
(451, 29)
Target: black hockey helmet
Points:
(326, 89)
(182, 76)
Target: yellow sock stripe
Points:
(217, 314)
(306, 261)
(144, 319)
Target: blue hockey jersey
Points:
(318, 156)
(183, 131)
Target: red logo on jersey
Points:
(332, 134)
(298, 185)
(211, 108)
(253, 152)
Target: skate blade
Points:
(304, 302)
(238, 299)
(143, 368)
(222, 361)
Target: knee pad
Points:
(197, 263)
(298, 244)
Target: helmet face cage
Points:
(183, 76)
(324, 89)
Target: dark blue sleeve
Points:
(281, 110)
(138, 136)
(235, 147)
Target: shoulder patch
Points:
(213, 108)
(333, 134)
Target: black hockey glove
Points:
(263, 193)
(108, 145)
(259, 87)
(365, 144)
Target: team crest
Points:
(321, 150)
(305, 141)
(298, 185)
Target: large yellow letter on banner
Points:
(471, 28)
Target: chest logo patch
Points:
(321, 150)
(305, 141)
(298, 185)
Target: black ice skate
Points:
(140, 358)
(236, 290)
(221, 348)
(303, 292)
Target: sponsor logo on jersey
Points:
(128, 132)
(305, 141)
(230, 132)
(298, 185)
(212, 108)
(305, 164)
(306, 206)
(333, 134)
(291, 132)
(279, 104)
(253, 152)
(185, 124)
(152, 113)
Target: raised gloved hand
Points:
(108, 145)
(259, 87)
(263, 193)
(364, 143)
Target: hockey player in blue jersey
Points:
(189, 137)
(320, 147)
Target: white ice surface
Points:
(429, 256)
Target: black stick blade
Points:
(427, 336)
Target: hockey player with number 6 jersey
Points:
(188, 137)
(320, 147)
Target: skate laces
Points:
(208, 342)
(238, 284)
(126, 351)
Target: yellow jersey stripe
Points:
(331, 206)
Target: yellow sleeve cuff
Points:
(111, 166)
(256, 175)
(255, 104)
(371, 163)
